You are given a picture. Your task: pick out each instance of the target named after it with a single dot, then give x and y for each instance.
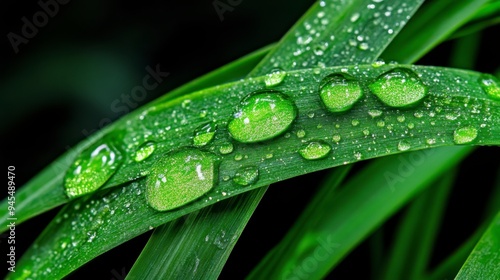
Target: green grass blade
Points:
(45, 192)
(286, 162)
(337, 32)
(487, 15)
(329, 20)
(451, 265)
(464, 51)
(274, 262)
(361, 205)
(204, 259)
(417, 231)
(483, 262)
(428, 28)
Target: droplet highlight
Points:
(180, 177)
(399, 88)
(339, 92)
(261, 116)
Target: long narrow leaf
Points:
(440, 120)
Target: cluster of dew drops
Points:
(187, 173)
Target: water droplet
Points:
(92, 168)
(401, 118)
(238, 157)
(339, 92)
(355, 122)
(374, 113)
(180, 177)
(490, 85)
(246, 175)
(464, 135)
(366, 132)
(301, 133)
(275, 77)
(226, 148)
(261, 116)
(144, 151)
(404, 145)
(399, 88)
(204, 134)
(315, 150)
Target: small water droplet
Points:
(301, 133)
(366, 132)
(404, 145)
(374, 113)
(401, 118)
(399, 88)
(238, 157)
(92, 168)
(378, 63)
(336, 138)
(275, 77)
(204, 134)
(315, 150)
(490, 85)
(144, 151)
(246, 175)
(430, 141)
(261, 116)
(355, 122)
(464, 135)
(226, 148)
(339, 92)
(180, 177)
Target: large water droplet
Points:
(464, 135)
(399, 88)
(339, 92)
(315, 150)
(275, 77)
(204, 134)
(92, 168)
(246, 175)
(261, 116)
(180, 177)
(490, 85)
(144, 151)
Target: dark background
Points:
(59, 87)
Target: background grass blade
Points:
(484, 259)
(360, 206)
(285, 162)
(414, 240)
(339, 33)
(330, 20)
(458, 12)
(194, 260)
